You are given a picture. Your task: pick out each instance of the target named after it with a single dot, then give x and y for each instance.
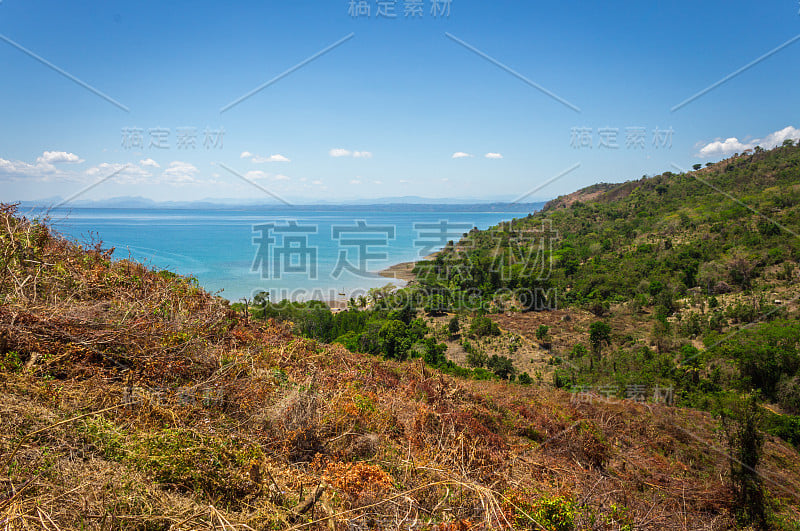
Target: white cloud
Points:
(255, 175)
(18, 168)
(493, 156)
(125, 173)
(180, 172)
(43, 168)
(339, 152)
(776, 139)
(718, 147)
(461, 155)
(733, 145)
(378, 182)
(104, 168)
(316, 182)
(404, 181)
(355, 181)
(50, 157)
(258, 159)
(47, 168)
(272, 158)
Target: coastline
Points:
(404, 270)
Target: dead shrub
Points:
(295, 418)
(360, 482)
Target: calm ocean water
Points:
(297, 254)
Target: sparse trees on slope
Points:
(599, 335)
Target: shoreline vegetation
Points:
(403, 271)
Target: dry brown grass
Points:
(133, 400)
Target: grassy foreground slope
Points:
(132, 399)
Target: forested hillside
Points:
(681, 280)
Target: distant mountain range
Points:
(386, 203)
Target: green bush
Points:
(433, 352)
(178, 458)
(482, 326)
(578, 351)
(502, 366)
(350, 341)
(599, 335)
(788, 394)
(742, 422)
(11, 362)
(787, 427)
(475, 356)
(525, 379)
(453, 326)
(555, 513)
(394, 340)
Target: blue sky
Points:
(400, 108)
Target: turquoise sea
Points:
(299, 254)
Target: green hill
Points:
(695, 273)
(733, 222)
